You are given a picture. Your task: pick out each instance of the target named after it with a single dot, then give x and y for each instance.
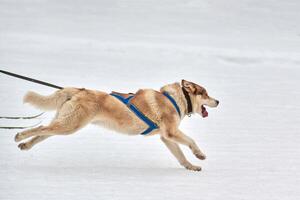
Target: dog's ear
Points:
(189, 86)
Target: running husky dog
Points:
(147, 111)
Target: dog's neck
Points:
(176, 92)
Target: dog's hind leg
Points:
(69, 120)
(37, 139)
(176, 151)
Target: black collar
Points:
(188, 101)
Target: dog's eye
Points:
(199, 92)
(202, 93)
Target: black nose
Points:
(217, 102)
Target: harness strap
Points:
(136, 111)
(173, 102)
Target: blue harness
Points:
(138, 113)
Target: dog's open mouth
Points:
(204, 111)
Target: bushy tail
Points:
(51, 102)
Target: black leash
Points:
(30, 79)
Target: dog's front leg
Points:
(176, 151)
(181, 138)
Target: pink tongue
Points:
(204, 112)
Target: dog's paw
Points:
(200, 156)
(18, 137)
(193, 168)
(24, 146)
(189, 166)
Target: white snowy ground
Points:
(246, 53)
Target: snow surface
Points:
(246, 53)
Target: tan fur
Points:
(79, 107)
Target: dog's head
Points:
(199, 97)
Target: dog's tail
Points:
(51, 102)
